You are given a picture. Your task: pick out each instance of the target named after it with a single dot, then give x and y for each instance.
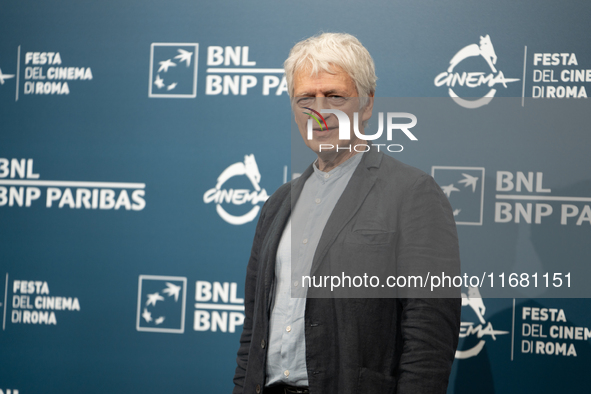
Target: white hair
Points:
(325, 50)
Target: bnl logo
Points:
(464, 187)
(161, 304)
(173, 70)
(218, 307)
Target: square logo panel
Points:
(464, 187)
(161, 304)
(173, 70)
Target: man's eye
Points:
(304, 101)
(337, 100)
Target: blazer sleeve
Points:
(249, 301)
(430, 326)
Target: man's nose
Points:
(320, 103)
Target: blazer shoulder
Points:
(402, 173)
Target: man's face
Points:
(326, 91)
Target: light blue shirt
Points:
(286, 357)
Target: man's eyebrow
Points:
(326, 93)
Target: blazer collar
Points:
(370, 159)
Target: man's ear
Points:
(367, 110)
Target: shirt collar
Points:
(348, 166)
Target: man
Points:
(352, 210)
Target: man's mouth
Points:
(321, 130)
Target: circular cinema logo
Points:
(451, 78)
(473, 333)
(223, 196)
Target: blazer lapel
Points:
(357, 189)
(298, 184)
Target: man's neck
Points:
(325, 163)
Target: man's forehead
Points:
(309, 81)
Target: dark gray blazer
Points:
(396, 214)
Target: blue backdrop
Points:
(129, 131)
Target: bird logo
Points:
(153, 298)
(159, 82)
(173, 70)
(184, 56)
(464, 188)
(164, 65)
(448, 189)
(469, 180)
(161, 303)
(171, 290)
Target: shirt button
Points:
(326, 176)
(295, 284)
(258, 388)
(263, 343)
(288, 328)
(286, 373)
(305, 241)
(318, 201)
